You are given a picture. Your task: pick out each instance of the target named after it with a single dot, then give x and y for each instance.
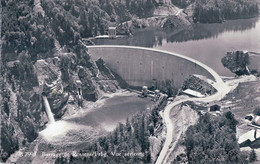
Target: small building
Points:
(79, 91)
(249, 117)
(112, 32)
(256, 121)
(214, 108)
(156, 94)
(193, 93)
(144, 91)
(249, 137)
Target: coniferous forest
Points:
(213, 140)
(208, 11)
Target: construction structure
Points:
(79, 92)
(156, 95)
(112, 32)
(248, 138)
(144, 91)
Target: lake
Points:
(207, 43)
(88, 124)
(114, 110)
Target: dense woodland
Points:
(131, 137)
(35, 29)
(213, 140)
(215, 11)
(209, 11)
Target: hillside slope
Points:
(37, 58)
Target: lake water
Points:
(115, 109)
(89, 124)
(207, 43)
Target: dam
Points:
(140, 66)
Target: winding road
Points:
(222, 89)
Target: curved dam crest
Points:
(140, 66)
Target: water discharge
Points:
(48, 110)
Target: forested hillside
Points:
(26, 26)
(213, 140)
(35, 25)
(211, 11)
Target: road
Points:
(222, 90)
(169, 125)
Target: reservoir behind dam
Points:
(207, 43)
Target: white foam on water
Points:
(59, 129)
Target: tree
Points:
(213, 138)
(128, 126)
(257, 111)
(252, 156)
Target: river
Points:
(207, 43)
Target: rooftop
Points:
(111, 28)
(249, 136)
(193, 93)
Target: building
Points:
(112, 32)
(193, 93)
(214, 108)
(249, 117)
(247, 138)
(156, 95)
(79, 90)
(256, 121)
(144, 91)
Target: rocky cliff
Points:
(168, 22)
(59, 78)
(198, 84)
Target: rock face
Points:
(58, 77)
(197, 84)
(237, 62)
(175, 22)
(171, 22)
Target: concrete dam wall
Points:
(140, 66)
